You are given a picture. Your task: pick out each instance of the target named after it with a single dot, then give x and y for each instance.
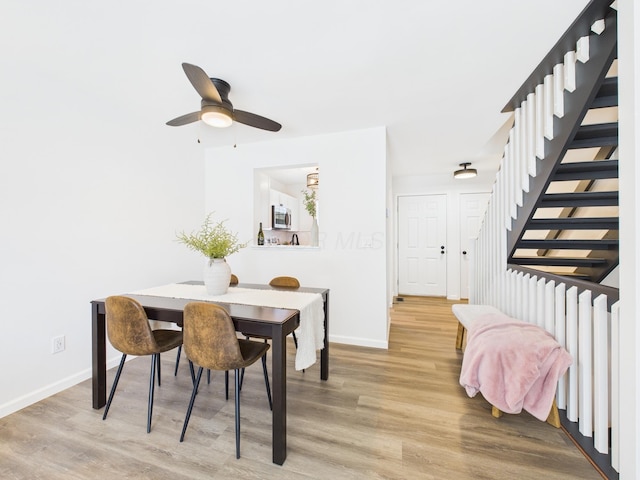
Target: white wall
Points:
(452, 188)
(91, 194)
(351, 260)
(629, 112)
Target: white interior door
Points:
(422, 235)
(472, 208)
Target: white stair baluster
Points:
(515, 298)
(558, 90)
(615, 385)
(519, 295)
(531, 135)
(506, 218)
(526, 297)
(572, 348)
(585, 364)
(601, 374)
(570, 71)
(540, 303)
(582, 49)
(524, 147)
(517, 156)
(560, 334)
(540, 121)
(512, 177)
(548, 106)
(598, 26)
(548, 317)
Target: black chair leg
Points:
(154, 361)
(208, 376)
(226, 384)
(115, 384)
(237, 413)
(158, 366)
(266, 379)
(193, 398)
(241, 378)
(177, 360)
(193, 375)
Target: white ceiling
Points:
(436, 74)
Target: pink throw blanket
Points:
(514, 364)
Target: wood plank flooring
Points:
(384, 414)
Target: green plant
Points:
(213, 239)
(310, 202)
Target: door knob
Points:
(464, 252)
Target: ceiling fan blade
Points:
(184, 119)
(257, 121)
(201, 82)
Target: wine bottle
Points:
(260, 235)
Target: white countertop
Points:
(284, 247)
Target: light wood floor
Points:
(383, 414)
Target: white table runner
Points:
(310, 334)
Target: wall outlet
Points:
(57, 344)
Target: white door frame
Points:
(472, 208)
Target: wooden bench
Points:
(467, 315)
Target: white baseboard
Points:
(51, 389)
(44, 392)
(360, 342)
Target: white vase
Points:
(314, 232)
(217, 275)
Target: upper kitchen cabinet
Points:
(262, 199)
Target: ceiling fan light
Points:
(216, 116)
(465, 172)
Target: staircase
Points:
(550, 232)
(568, 225)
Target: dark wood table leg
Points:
(324, 354)
(279, 392)
(99, 357)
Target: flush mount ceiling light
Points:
(216, 116)
(312, 180)
(465, 172)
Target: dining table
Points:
(273, 322)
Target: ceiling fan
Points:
(216, 109)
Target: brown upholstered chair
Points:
(233, 281)
(210, 342)
(285, 283)
(129, 332)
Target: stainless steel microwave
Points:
(280, 217)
